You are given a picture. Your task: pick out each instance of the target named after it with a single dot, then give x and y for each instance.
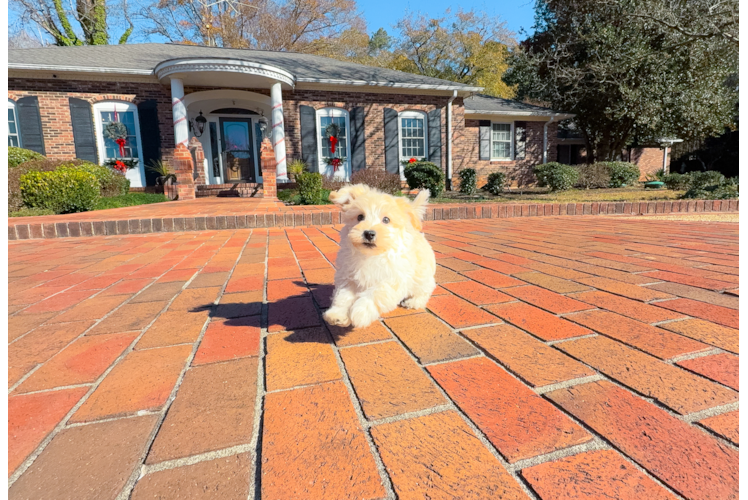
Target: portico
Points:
(237, 120)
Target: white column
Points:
(664, 162)
(179, 112)
(278, 136)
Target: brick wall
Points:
(518, 172)
(54, 107)
(649, 160)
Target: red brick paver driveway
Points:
(559, 358)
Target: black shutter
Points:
(485, 139)
(150, 137)
(358, 139)
(435, 137)
(84, 138)
(391, 142)
(308, 122)
(520, 140)
(30, 124)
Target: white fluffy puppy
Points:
(384, 258)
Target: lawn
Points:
(127, 200)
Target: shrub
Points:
(425, 175)
(496, 181)
(593, 175)
(295, 167)
(331, 183)
(622, 173)
(378, 179)
(17, 156)
(15, 199)
(557, 176)
(700, 180)
(723, 191)
(310, 188)
(677, 182)
(468, 180)
(111, 182)
(65, 190)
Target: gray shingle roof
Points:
(143, 58)
(496, 105)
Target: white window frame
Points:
(323, 167)
(12, 106)
(135, 175)
(511, 141)
(418, 115)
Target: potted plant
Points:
(165, 179)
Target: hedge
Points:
(310, 187)
(557, 176)
(65, 190)
(425, 175)
(17, 156)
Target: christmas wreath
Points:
(117, 131)
(335, 163)
(332, 131)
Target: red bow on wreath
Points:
(336, 162)
(118, 165)
(333, 142)
(121, 143)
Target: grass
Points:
(129, 200)
(543, 195)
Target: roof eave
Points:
(549, 114)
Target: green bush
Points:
(495, 184)
(111, 182)
(468, 180)
(593, 175)
(310, 187)
(425, 175)
(557, 176)
(714, 192)
(17, 156)
(700, 180)
(65, 190)
(677, 182)
(622, 173)
(378, 179)
(15, 199)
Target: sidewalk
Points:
(559, 358)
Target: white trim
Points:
(135, 175)
(511, 142)
(78, 69)
(334, 112)
(471, 113)
(418, 115)
(363, 83)
(229, 94)
(202, 65)
(12, 105)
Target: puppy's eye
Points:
(361, 217)
(386, 220)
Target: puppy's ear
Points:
(345, 195)
(415, 209)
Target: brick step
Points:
(239, 190)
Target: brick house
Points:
(60, 100)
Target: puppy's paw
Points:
(336, 317)
(415, 302)
(363, 313)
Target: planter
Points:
(653, 185)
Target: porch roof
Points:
(143, 59)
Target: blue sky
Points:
(518, 14)
(384, 13)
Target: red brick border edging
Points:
(332, 216)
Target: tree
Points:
(627, 78)
(89, 15)
(285, 25)
(469, 47)
(24, 40)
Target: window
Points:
(501, 141)
(325, 117)
(14, 139)
(127, 114)
(413, 133)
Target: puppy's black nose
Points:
(370, 235)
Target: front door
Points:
(237, 154)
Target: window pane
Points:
(501, 150)
(11, 121)
(341, 148)
(412, 137)
(13, 141)
(501, 131)
(111, 148)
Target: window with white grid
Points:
(413, 133)
(13, 138)
(501, 141)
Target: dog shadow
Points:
(293, 314)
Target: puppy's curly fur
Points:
(384, 258)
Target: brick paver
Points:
(136, 364)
